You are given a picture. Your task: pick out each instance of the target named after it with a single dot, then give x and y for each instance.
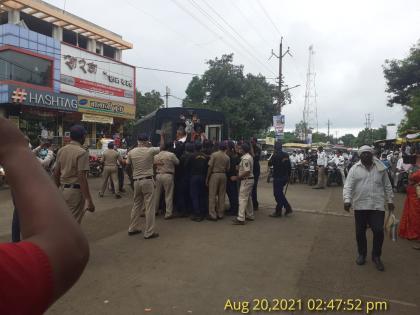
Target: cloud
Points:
(351, 40)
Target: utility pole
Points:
(280, 57)
(328, 124)
(168, 93)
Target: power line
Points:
(268, 16)
(219, 26)
(232, 28)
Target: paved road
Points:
(193, 268)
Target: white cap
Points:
(365, 148)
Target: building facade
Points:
(57, 69)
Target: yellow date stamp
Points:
(315, 305)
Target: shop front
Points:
(39, 113)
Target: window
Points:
(109, 51)
(214, 132)
(20, 67)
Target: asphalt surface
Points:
(194, 268)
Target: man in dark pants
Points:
(281, 173)
(367, 187)
(198, 169)
(231, 185)
(257, 171)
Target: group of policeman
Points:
(193, 178)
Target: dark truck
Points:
(194, 120)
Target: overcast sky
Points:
(351, 41)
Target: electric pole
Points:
(328, 124)
(168, 93)
(280, 57)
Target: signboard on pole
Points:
(278, 124)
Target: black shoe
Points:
(249, 219)
(211, 219)
(361, 260)
(118, 196)
(196, 219)
(134, 232)
(276, 214)
(378, 263)
(289, 210)
(237, 222)
(318, 188)
(154, 235)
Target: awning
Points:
(97, 119)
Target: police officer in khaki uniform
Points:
(110, 159)
(141, 159)
(246, 210)
(219, 164)
(165, 163)
(70, 174)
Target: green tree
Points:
(368, 136)
(300, 130)
(321, 137)
(147, 102)
(348, 140)
(403, 86)
(246, 100)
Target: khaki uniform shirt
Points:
(219, 162)
(72, 159)
(110, 157)
(169, 161)
(141, 158)
(246, 164)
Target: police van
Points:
(199, 123)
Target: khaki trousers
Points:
(75, 202)
(217, 187)
(322, 179)
(165, 182)
(143, 198)
(111, 171)
(246, 208)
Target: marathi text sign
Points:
(106, 107)
(88, 74)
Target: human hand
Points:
(12, 142)
(347, 206)
(89, 205)
(391, 207)
(234, 178)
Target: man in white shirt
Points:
(368, 188)
(322, 162)
(294, 159)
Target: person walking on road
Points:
(281, 173)
(367, 188)
(322, 162)
(256, 150)
(110, 159)
(165, 162)
(141, 159)
(219, 164)
(70, 174)
(246, 176)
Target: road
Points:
(193, 268)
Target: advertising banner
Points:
(278, 124)
(88, 74)
(44, 99)
(106, 107)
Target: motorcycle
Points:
(293, 174)
(334, 175)
(313, 174)
(2, 176)
(96, 167)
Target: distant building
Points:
(57, 69)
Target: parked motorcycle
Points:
(96, 167)
(313, 174)
(334, 175)
(293, 174)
